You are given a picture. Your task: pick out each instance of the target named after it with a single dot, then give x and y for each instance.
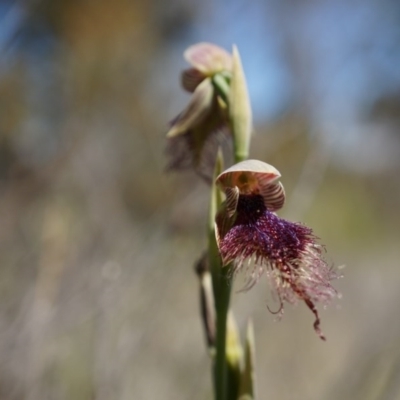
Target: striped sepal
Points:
(226, 215)
(191, 78)
(232, 198)
(274, 196)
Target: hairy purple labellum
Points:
(287, 252)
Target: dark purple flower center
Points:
(249, 209)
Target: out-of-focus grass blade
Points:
(234, 356)
(247, 384)
(207, 305)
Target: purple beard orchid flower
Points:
(197, 132)
(252, 237)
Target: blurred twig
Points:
(206, 299)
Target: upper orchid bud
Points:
(203, 126)
(206, 59)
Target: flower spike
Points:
(197, 132)
(208, 58)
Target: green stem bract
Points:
(240, 156)
(239, 107)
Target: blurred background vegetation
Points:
(98, 298)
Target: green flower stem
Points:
(222, 290)
(234, 93)
(222, 283)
